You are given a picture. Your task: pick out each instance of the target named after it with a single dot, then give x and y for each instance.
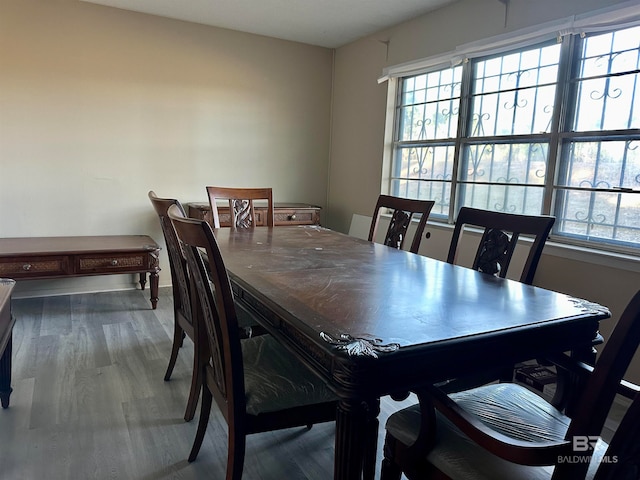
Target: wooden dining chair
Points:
(183, 315)
(257, 384)
(500, 234)
(499, 238)
(402, 210)
(241, 206)
(504, 431)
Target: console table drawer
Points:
(296, 217)
(34, 267)
(100, 263)
(284, 214)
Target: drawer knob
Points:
(292, 216)
(114, 262)
(26, 266)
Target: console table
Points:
(284, 213)
(60, 257)
(6, 327)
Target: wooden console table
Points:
(285, 213)
(60, 257)
(6, 339)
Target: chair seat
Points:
(507, 408)
(275, 380)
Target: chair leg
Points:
(235, 455)
(205, 411)
(390, 470)
(178, 335)
(194, 391)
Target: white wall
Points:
(99, 105)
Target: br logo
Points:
(584, 443)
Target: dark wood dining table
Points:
(371, 320)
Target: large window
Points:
(552, 128)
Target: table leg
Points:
(568, 384)
(356, 439)
(143, 280)
(5, 373)
(371, 440)
(154, 279)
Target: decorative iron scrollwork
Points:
(359, 347)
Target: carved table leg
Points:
(154, 279)
(143, 280)
(356, 422)
(5, 373)
(568, 384)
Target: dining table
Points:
(371, 320)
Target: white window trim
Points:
(593, 256)
(360, 228)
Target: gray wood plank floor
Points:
(89, 400)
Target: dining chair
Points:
(500, 234)
(504, 430)
(402, 210)
(185, 310)
(499, 238)
(257, 384)
(241, 207)
(183, 316)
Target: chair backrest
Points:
(624, 448)
(177, 261)
(602, 385)
(403, 210)
(612, 363)
(240, 205)
(499, 239)
(213, 289)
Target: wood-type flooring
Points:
(89, 401)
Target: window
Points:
(427, 130)
(552, 128)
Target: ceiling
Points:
(326, 23)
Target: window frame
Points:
(559, 137)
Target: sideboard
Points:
(285, 213)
